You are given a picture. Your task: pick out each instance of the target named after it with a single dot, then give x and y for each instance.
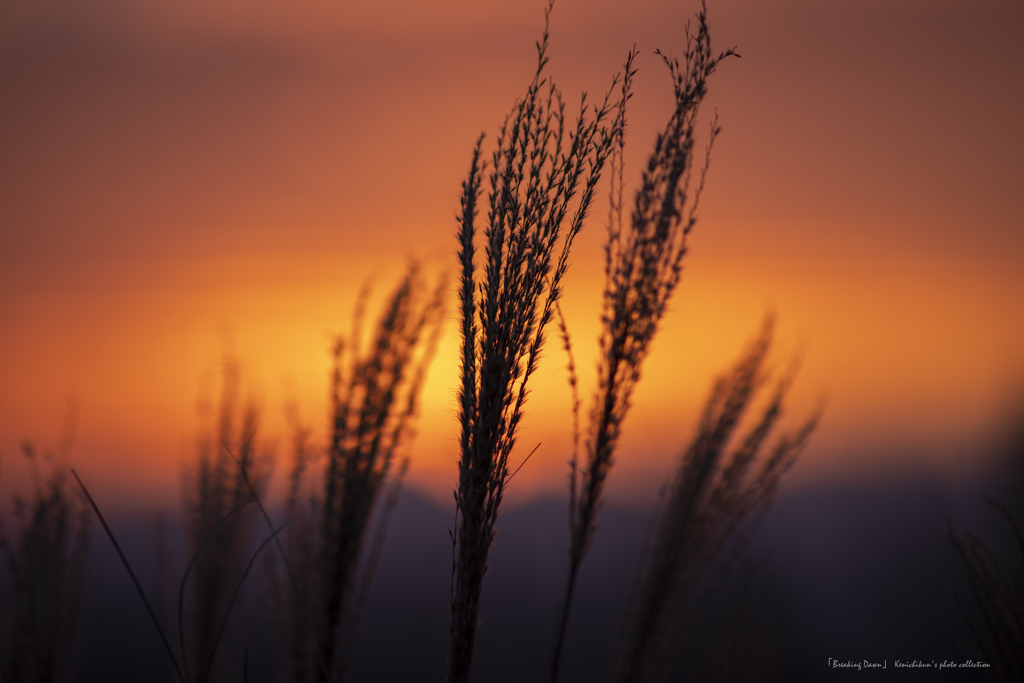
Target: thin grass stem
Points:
(131, 573)
(234, 596)
(184, 581)
(287, 564)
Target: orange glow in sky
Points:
(183, 180)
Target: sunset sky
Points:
(180, 180)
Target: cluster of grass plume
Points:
(374, 400)
(503, 323)
(999, 597)
(542, 178)
(374, 397)
(541, 162)
(44, 545)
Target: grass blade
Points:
(138, 587)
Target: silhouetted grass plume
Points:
(721, 483)
(643, 265)
(374, 398)
(541, 162)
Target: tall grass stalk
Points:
(643, 265)
(215, 493)
(541, 162)
(374, 398)
(719, 486)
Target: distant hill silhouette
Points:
(860, 571)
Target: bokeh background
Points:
(181, 181)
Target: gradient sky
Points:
(183, 179)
